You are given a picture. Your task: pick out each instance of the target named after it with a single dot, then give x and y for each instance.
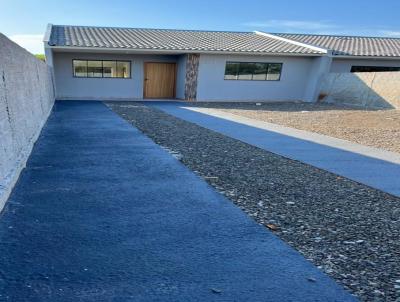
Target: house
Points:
(106, 63)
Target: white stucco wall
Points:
(68, 87)
(26, 99)
(296, 72)
(344, 65)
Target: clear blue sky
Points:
(25, 21)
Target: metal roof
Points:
(350, 45)
(172, 40)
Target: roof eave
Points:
(177, 51)
(366, 57)
(47, 34)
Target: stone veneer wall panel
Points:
(192, 70)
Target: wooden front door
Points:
(159, 80)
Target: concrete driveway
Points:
(373, 167)
(101, 213)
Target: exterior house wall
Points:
(68, 87)
(344, 65)
(180, 77)
(300, 78)
(26, 99)
(211, 86)
(320, 66)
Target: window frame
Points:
(373, 67)
(102, 66)
(252, 62)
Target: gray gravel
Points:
(350, 231)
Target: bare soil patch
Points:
(374, 128)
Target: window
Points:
(101, 69)
(260, 71)
(373, 68)
(274, 72)
(246, 71)
(253, 71)
(80, 68)
(109, 69)
(123, 69)
(231, 71)
(95, 69)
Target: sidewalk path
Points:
(370, 166)
(101, 213)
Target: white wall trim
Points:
(322, 50)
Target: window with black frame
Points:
(374, 68)
(253, 71)
(101, 69)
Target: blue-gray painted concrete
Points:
(101, 213)
(373, 172)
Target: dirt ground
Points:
(375, 128)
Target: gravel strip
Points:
(375, 128)
(350, 231)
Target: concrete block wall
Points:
(26, 99)
(365, 89)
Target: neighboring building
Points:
(105, 63)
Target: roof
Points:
(172, 40)
(350, 45)
(220, 41)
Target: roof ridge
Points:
(302, 44)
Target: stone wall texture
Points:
(192, 70)
(26, 99)
(366, 89)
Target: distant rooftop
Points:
(351, 45)
(220, 41)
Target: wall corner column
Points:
(320, 67)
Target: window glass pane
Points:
(260, 71)
(274, 72)
(123, 69)
(109, 69)
(80, 68)
(246, 71)
(95, 69)
(231, 71)
(373, 68)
